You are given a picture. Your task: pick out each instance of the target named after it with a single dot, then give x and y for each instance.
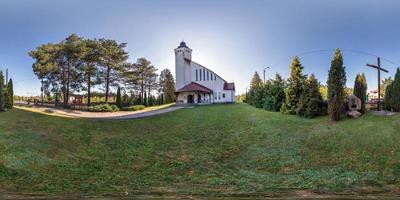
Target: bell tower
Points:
(183, 57)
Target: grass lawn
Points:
(206, 149)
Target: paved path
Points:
(101, 115)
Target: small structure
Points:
(354, 106)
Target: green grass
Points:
(216, 148)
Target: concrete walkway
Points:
(101, 115)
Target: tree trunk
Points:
(66, 96)
(142, 91)
(89, 85)
(107, 82)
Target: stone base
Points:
(354, 114)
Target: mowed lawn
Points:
(205, 149)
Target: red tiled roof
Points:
(194, 87)
(229, 86)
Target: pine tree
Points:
(336, 86)
(256, 95)
(118, 101)
(294, 87)
(395, 93)
(388, 96)
(1, 91)
(9, 98)
(311, 103)
(256, 81)
(276, 95)
(360, 89)
(167, 86)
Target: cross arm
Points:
(378, 68)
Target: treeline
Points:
(301, 94)
(6, 93)
(392, 93)
(77, 65)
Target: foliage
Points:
(134, 108)
(395, 92)
(360, 90)
(276, 95)
(385, 83)
(311, 103)
(103, 108)
(257, 91)
(118, 101)
(215, 149)
(256, 81)
(323, 89)
(388, 96)
(294, 88)
(336, 86)
(2, 97)
(167, 86)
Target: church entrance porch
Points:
(194, 93)
(190, 99)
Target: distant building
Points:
(198, 84)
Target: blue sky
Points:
(233, 38)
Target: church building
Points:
(197, 84)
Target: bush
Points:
(134, 108)
(311, 103)
(103, 108)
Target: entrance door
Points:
(190, 99)
(198, 98)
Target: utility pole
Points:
(378, 67)
(264, 73)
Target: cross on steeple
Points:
(378, 67)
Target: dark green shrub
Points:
(134, 108)
(336, 87)
(103, 108)
(395, 92)
(311, 103)
(295, 86)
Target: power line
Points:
(349, 50)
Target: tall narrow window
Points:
(208, 75)
(204, 74)
(200, 74)
(211, 76)
(215, 77)
(196, 75)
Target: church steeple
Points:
(183, 44)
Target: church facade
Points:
(197, 84)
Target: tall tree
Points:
(336, 86)
(256, 81)
(72, 52)
(395, 92)
(167, 86)
(311, 103)
(388, 95)
(360, 90)
(294, 87)
(1, 91)
(385, 83)
(118, 102)
(276, 95)
(144, 74)
(9, 99)
(91, 59)
(113, 57)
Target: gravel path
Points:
(100, 115)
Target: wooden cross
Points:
(378, 67)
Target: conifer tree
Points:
(255, 95)
(256, 81)
(311, 103)
(395, 92)
(336, 86)
(118, 101)
(388, 96)
(1, 91)
(294, 87)
(360, 89)
(9, 98)
(276, 95)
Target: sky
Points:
(234, 38)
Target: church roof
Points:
(195, 87)
(229, 86)
(182, 44)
